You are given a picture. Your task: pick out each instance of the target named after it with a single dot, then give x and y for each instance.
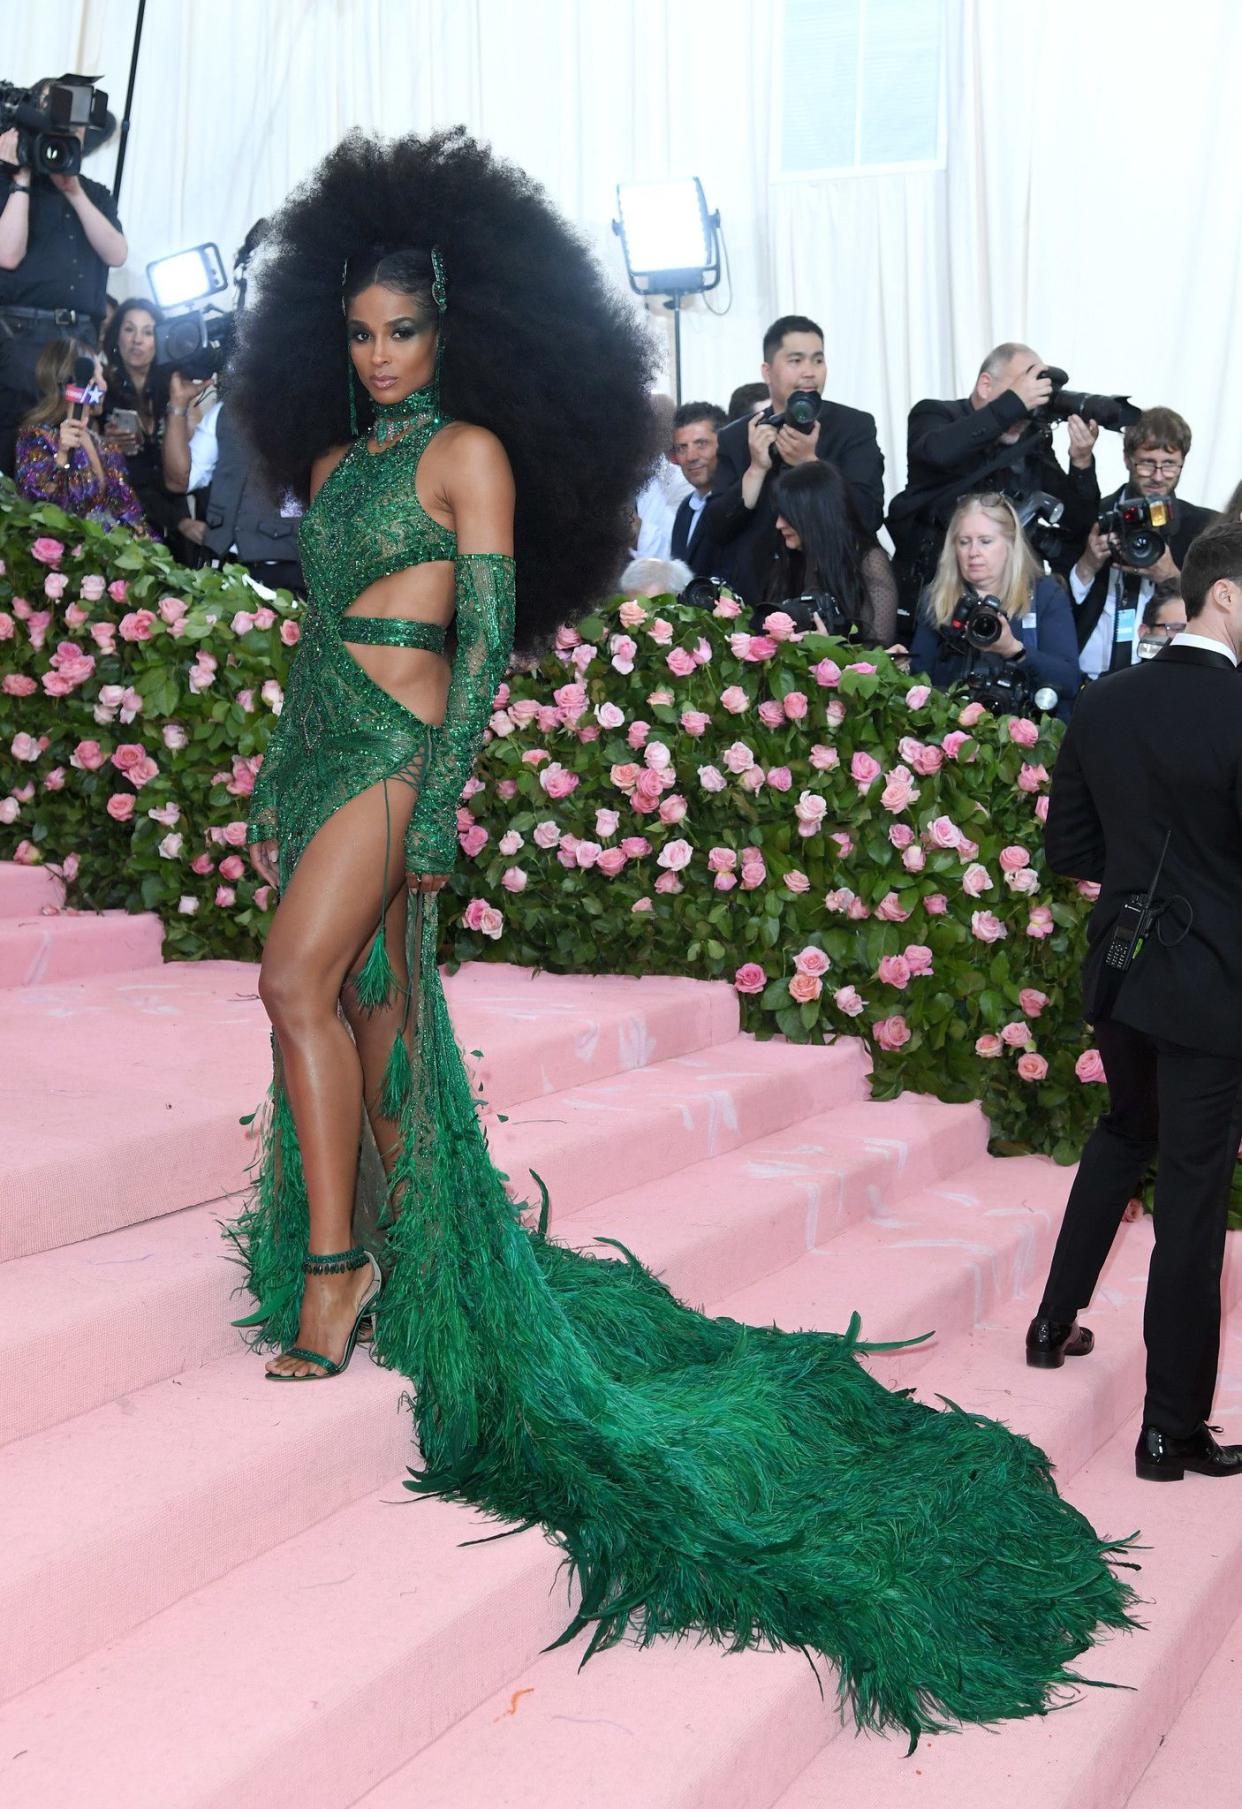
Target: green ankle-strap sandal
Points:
(339, 1262)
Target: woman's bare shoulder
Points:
(473, 451)
(324, 466)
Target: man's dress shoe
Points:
(1050, 1341)
(1159, 1457)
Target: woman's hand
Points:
(72, 435)
(426, 882)
(120, 440)
(1007, 643)
(263, 860)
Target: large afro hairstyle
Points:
(537, 346)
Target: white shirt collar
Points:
(1205, 643)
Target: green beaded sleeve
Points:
(485, 594)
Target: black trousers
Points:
(1181, 1107)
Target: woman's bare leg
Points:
(375, 1031)
(319, 936)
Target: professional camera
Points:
(47, 138)
(1135, 522)
(976, 622)
(197, 344)
(801, 411)
(1040, 517)
(1117, 412)
(702, 593)
(1007, 690)
(814, 612)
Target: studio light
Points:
(187, 276)
(671, 245)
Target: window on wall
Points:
(862, 85)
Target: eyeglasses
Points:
(1165, 631)
(1158, 467)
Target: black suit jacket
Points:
(847, 438)
(950, 449)
(1156, 748)
(1188, 521)
(701, 554)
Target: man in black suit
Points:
(741, 515)
(990, 440)
(1151, 769)
(696, 426)
(1110, 596)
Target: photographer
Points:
(994, 439)
(827, 561)
(1164, 618)
(1117, 573)
(741, 514)
(59, 236)
(985, 556)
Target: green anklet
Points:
(338, 1262)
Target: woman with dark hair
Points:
(825, 548)
(134, 410)
(60, 456)
(436, 338)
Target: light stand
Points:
(671, 245)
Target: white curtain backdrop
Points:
(1090, 200)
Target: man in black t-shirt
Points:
(59, 236)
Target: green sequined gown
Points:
(737, 1482)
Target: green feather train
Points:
(751, 1486)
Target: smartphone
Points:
(123, 422)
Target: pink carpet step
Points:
(25, 891)
(1197, 1763)
(141, 1078)
(81, 1326)
(47, 950)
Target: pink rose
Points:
(55, 586)
(513, 879)
(694, 722)
(936, 903)
(264, 617)
(824, 759)
(1013, 858)
(779, 778)
(762, 647)
(725, 882)
(972, 714)
(796, 881)
(681, 663)
(675, 856)
(864, 770)
(556, 782)
(900, 835)
(132, 760)
(1041, 809)
(712, 779)
(750, 977)
(891, 1033)
(18, 684)
(861, 666)
(168, 814)
(771, 715)
(976, 881)
(668, 882)
(661, 632)
(913, 859)
(849, 1001)
(104, 636)
(47, 551)
(919, 959)
(734, 700)
(225, 896)
(24, 746)
(637, 733)
(810, 811)
(1087, 888)
(262, 897)
(827, 673)
(844, 842)
(120, 806)
(894, 970)
(202, 864)
(625, 777)
(857, 911)
(780, 626)
(232, 867)
(1016, 1035)
(899, 790)
(473, 841)
(987, 927)
(171, 609)
(586, 854)
(1040, 923)
(890, 909)
(803, 988)
(91, 588)
(26, 855)
(835, 714)
(917, 696)
(75, 615)
(506, 790)
(1032, 1002)
(944, 832)
(610, 862)
(1026, 880)
(657, 756)
(727, 609)
(796, 705)
(55, 780)
(752, 779)
(1023, 731)
(631, 614)
(7, 626)
(138, 625)
(840, 900)
(812, 961)
(1090, 1067)
(1032, 777)
(673, 809)
(234, 834)
(753, 875)
(1032, 1066)
(738, 757)
(989, 1047)
(37, 624)
(927, 761)
(634, 847)
(642, 904)
(955, 741)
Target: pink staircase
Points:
(216, 1592)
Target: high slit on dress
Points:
(748, 1485)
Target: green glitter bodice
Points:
(340, 731)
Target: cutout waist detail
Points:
(392, 631)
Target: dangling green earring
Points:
(353, 397)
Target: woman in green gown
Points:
(436, 360)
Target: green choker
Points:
(393, 418)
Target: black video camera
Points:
(976, 622)
(1007, 690)
(47, 130)
(1117, 412)
(197, 344)
(1135, 523)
